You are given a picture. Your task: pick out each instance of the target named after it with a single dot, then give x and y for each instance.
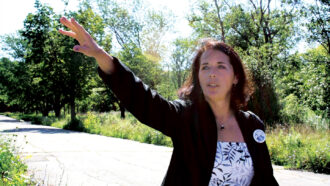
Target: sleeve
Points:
(145, 104)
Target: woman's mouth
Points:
(212, 85)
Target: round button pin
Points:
(259, 136)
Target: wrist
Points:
(99, 53)
(104, 60)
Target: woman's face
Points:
(216, 75)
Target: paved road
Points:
(61, 157)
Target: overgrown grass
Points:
(107, 124)
(128, 128)
(295, 146)
(300, 147)
(34, 118)
(12, 169)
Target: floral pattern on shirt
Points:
(232, 166)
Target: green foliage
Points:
(181, 60)
(33, 118)
(110, 124)
(148, 71)
(292, 110)
(317, 14)
(130, 128)
(92, 123)
(204, 20)
(120, 20)
(157, 23)
(306, 77)
(74, 124)
(264, 102)
(300, 147)
(12, 170)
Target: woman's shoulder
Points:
(252, 118)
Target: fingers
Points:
(78, 26)
(68, 33)
(68, 24)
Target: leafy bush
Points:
(12, 169)
(75, 125)
(293, 111)
(92, 123)
(300, 147)
(110, 124)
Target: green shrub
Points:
(130, 128)
(92, 123)
(293, 111)
(75, 125)
(300, 147)
(12, 169)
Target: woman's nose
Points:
(212, 73)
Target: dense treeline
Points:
(47, 76)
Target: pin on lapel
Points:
(259, 136)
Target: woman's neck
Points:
(221, 110)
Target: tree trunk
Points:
(122, 111)
(57, 112)
(45, 112)
(73, 110)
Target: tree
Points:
(35, 34)
(81, 69)
(318, 23)
(181, 60)
(139, 37)
(125, 27)
(305, 78)
(54, 75)
(16, 85)
(207, 19)
(314, 78)
(154, 32)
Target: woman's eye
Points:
(221, 67)
(205, 67)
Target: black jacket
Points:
(191, 127)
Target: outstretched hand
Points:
(87, 44)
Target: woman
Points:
(215, 143)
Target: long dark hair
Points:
(240, 93)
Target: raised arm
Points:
(145, 104)
(87, 44)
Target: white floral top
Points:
(233, 165)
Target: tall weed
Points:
(12, 169)
(300, 147)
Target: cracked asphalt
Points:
(61, 157)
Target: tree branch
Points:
(220, 21)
